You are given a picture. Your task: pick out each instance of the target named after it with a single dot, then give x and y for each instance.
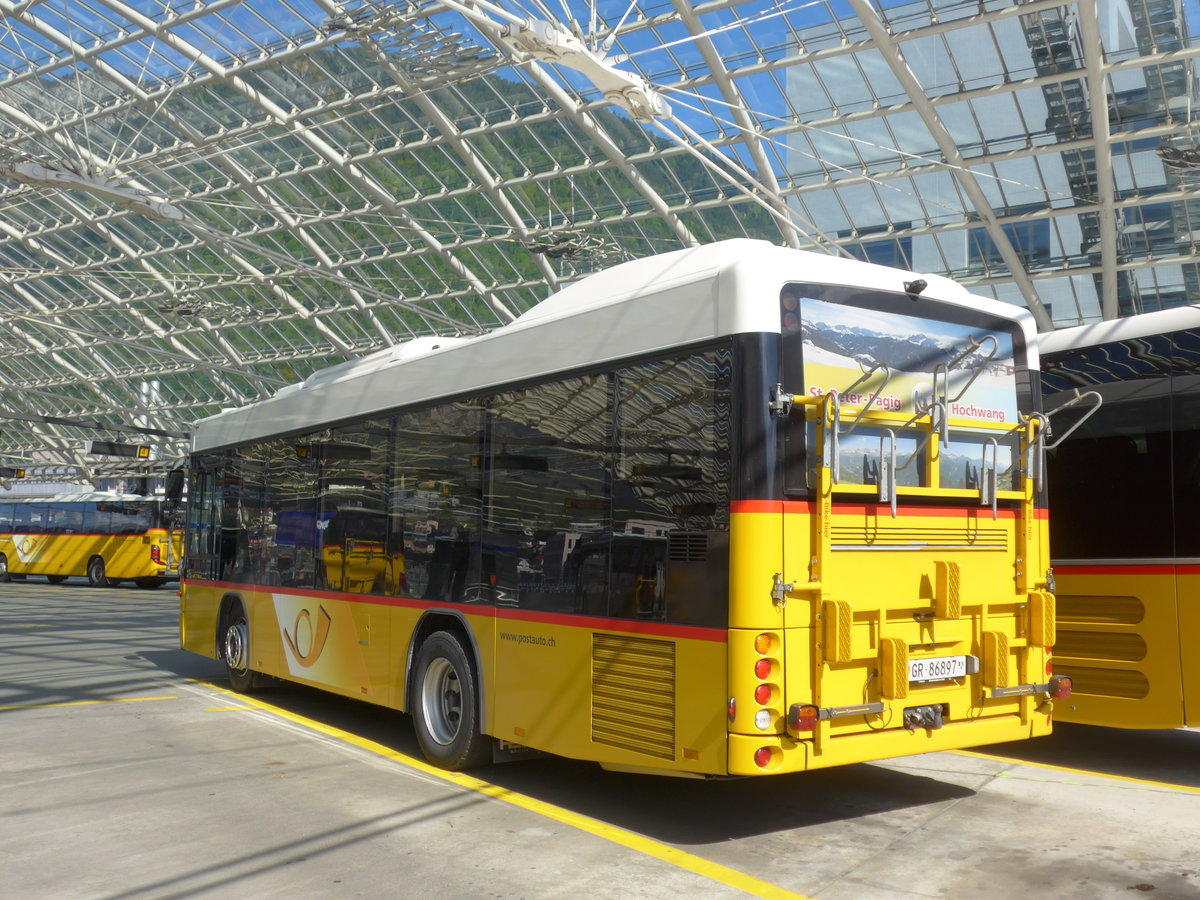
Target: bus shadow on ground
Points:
(186, 665)
(1159, 755)
(673, 810)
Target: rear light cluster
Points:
(1060, 686)
(155, 554)
(768, 693)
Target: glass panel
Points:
(129, 517)
(291, 557)
(435, 490)
(359, 542)
(547, 534)
(96, 520)
(671, 490)
(65, 518)
(1110, 483)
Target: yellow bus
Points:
(1125, 545)
(106, 537)
(733, 510)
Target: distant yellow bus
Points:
(107, 538)
(734, 510)
(1124, 490)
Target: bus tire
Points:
(95, 573)
(235, 648)
(4, 576)
(56, 579)
(446, 705)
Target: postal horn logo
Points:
(307, 640)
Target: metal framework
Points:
(204, 201)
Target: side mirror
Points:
(174, 486)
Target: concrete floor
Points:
(126, 771)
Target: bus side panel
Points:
(25, 553)
(611, 691)
(199, 604)
(8, 546)
(1187, 582)
(1118, 639)
(125, 556)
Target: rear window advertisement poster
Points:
(843, 343)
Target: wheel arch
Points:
(224, 612)
(444, 620)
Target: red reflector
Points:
(762, 694)
(762, 669)
(762, 757)
(155, 553)
(1049, 666)
(732, 708)
(803, 718)
(1060, 687)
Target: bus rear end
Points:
(892, 596)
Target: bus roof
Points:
(1162, 321)
(642, 306)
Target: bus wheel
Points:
(56, 579)
(445, 707)
(4, 576)
(95, 573)
(235, 649)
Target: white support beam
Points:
(1089, 33)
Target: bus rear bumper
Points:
(791, 755)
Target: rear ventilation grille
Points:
(633, 694)
(687, 546)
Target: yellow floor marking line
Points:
(648, 846)
(1162, 785)
(84, 703)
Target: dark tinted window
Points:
(435, 490)
(359, 538)
(1110, 482)
(671, 490)
(127, 517)
(546, 494)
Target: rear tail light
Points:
(768, 669)
(803, 718)
(155, 554)
(762, 757)
(1060, 687)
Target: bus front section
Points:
(889, 577)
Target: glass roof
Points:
(205, 201)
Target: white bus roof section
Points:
(1163, 321)
(674, 300)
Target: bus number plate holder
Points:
(938, 668)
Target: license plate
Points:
(937, 668)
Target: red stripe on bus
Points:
(631, 626)
(1162, 569)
